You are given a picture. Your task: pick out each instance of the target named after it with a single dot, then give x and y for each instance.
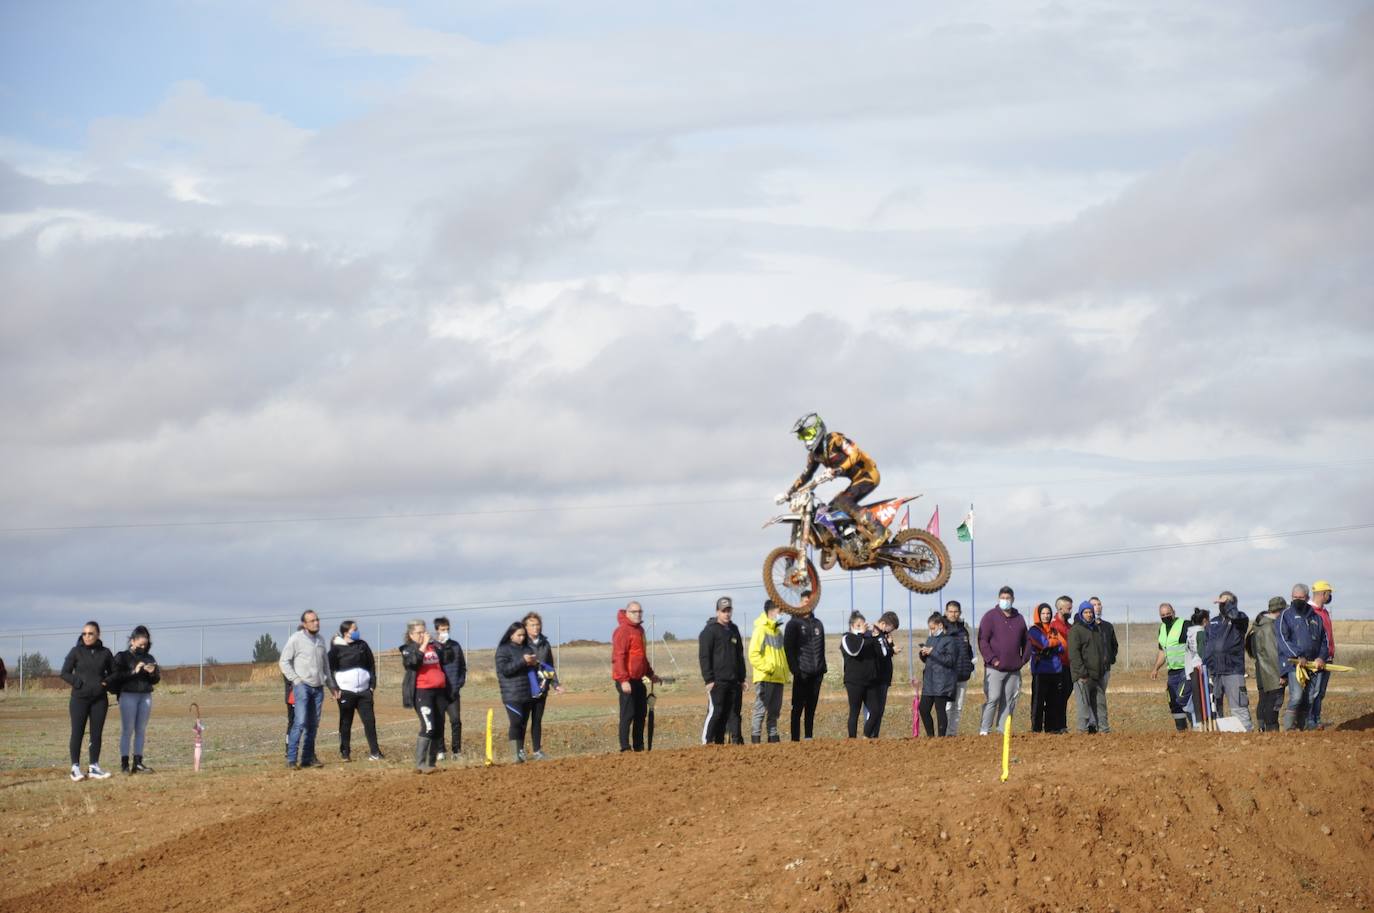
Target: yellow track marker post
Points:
(1006, 749)
(489, 761)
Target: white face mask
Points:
(1004, 604)
(442, 637)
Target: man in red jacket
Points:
(629, 667)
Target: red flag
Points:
(933, 527)
(906, 519)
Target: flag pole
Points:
(972, 589)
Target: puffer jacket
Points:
(513, 674)
(959, 631)
(1301, 635)
(1224, 651)
(455, 667)
(940, 678)
(629, 661)
(124, 678)
(1262, 644)
(1087, 656)
(766, 655)
(87, 669)
(1047, 649)
(803, 640)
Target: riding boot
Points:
(422, 753)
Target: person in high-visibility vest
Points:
(1173, 651)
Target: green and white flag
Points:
(965, 530)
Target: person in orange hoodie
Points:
(1048, 713)
(629, 667)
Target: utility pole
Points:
(202, 658)
(21, 664)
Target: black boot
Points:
(754, 740)
(422, 764)
(774, 738)
(124, 764)
(139, 766)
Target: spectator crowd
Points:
(1070, 654)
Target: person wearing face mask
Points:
(355, 672)
(1225, 656)
(1301, 638)
(1173, 652)
(941, 654)
(1004, 642)
(449, 706)
(548, 680)
(1321, 597)
(1262, 644)
(135, 674)
(1047, 673)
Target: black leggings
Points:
(806, 694)
(83, 709)
(450, 708)
(537, 720)
(937, 701)
(865, 697)
(519, 715)
(427, 709)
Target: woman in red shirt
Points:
(424, 683)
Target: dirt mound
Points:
(1085, 823)
(1359, 724)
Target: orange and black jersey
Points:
(844, 457)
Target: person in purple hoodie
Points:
(1005, 646)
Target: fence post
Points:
(202, 658)
(558, 644)
(379, 647)
(21, 664)
(1128, 637)
(467, 634)
(653, 632)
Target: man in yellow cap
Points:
(1321, 595)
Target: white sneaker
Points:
(441, 756)
(77, 775)
(95, 773)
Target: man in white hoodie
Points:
(305, 663)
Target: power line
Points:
(694, 589)
(572, 508)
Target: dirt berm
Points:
(1129, 823)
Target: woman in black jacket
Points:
(355, 672)
(860, 649)
(87, 669)
(135, 675)
(421, 689)
(548, 679)
(516, 667)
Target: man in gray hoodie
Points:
(305, 663)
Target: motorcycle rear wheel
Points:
(922, 564)
(795, 592)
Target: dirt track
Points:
(1158, 823)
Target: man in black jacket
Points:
(1109, 642)
(721, 652)
(803, 640)
(1224, 656)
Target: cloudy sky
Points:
(357, 307)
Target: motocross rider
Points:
(841, 457)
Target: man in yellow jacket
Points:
(769, 663)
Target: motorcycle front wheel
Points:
(918, 560)
(791, 580)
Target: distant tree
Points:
(211, 661)
(265, 650)
(669, 635)
(35, 665)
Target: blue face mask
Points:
(355, 634)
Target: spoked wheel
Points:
(791, 580)
(919, 561)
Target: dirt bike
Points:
(918, 560)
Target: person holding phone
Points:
(421, 690)
(135, 675)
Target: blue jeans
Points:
(1314, 716)
(134, 710)
(309, 703)
(1299, 701)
